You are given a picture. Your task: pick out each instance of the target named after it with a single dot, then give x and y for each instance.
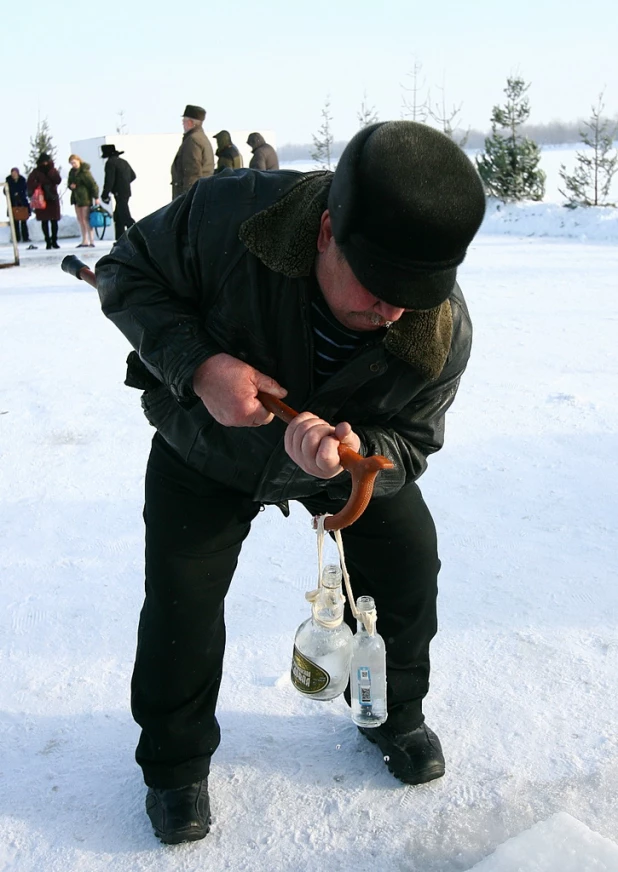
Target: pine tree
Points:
(367, 114)
(590, 184)
(323, 142)
(40, 143)
(448, 120)
(121, 126)
(413, 107)
(509, 166)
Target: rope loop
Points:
(367, 618)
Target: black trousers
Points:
(195, 528)
(21, 231)
(122, 217)
(54, 230)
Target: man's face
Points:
(351, 303)
(15, 174)
(187, 123)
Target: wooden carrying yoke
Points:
(362, 469)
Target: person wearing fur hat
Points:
(264, 156)
(118, 177)
(194, 159)
(84, 191)
(228, 156)
(18, 196)
(338, 292)
(46, 176)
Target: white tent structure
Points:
(151, 157)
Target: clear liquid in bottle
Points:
(368, 671)
(323, 643)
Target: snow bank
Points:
(589, 224)
(559, 844)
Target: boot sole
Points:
(397, 764)
(191, 834)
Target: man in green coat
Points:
(194, 159)
(227, 153)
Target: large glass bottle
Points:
(323, 643)
(368, 670)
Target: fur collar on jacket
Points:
(284, 238)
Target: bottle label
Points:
(364, 686)
(307, 676)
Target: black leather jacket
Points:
(229, 267)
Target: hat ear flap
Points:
(343, 189)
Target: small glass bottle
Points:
(368, 670)
(323, 643)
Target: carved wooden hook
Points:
(362, 469)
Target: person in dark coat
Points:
(118, 177)
(338, 292)
(18, 196)
(48, 178)
(227, 153)
(84, 192)
(264, 155)
(194, 159)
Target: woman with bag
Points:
(43, 192)
(18, 201)
(84, 190)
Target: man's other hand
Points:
(313, 444)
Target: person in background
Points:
(118, 177)
(194, 159)
(46, 176)
(339, 292)
(84, 190)
(18, 196)
(264, 155)
(227, 153)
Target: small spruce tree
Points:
(40, 143)
(413, 106)
(323, 142)
(367, 114)
(448, 119)
(509, 166)
(121, 126)
(590, 183)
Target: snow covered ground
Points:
(525, 664)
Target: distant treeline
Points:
(553, 133)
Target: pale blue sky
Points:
(270, 64)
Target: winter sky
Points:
(271, 64)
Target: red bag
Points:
(37, 200)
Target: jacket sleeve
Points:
(108, 181)
(258, 161)
(149, 289)
(93, 188)
(191, 162)
(418, 429)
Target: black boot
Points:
(414, 757)
(54, 234)
(45, 229)
(181, 814)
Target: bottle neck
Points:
(366, 623)
(327, 608)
